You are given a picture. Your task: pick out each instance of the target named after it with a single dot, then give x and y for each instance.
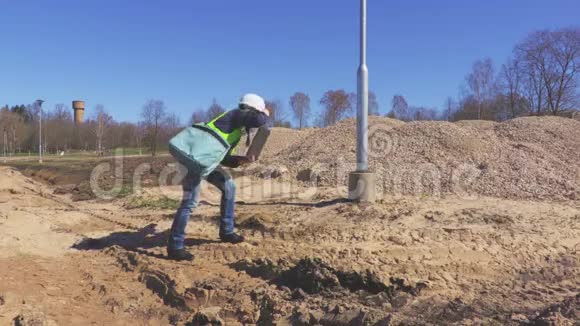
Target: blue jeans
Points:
(191, 187)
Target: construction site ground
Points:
(403, 261)
(409, 259)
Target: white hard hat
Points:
(256, 102)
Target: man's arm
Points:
(253, 119)
(248, 119)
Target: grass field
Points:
(80, 155)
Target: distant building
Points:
(79, 109)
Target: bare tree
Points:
(214, 110)
(5, 143)
(450, 107)
(61, 112)
(422, 113)
(6, 121)
(551, 62)
(564, 52)
(277, 114)
(534, 89)
(532, 54)
(300, 104)
(400, 108)
(171, 125)
(140, 132)
(153, 115)
(102, 123)
(16, 129)
(336, 104)
(198, 116)
(59, 128)
(511, 78)
(172, 121)
(373, 104)
(123, 134)
(481, 83)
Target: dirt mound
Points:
(524, 158)
(327, 144)
(477, 124)
(558, 136)
(280, 139)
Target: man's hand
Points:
(243, 160)
(235, 161)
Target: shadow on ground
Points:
(137, 241)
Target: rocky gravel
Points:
(524, 158)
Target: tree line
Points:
(100, 133)
(336, 105)
(539, 78)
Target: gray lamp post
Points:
(361, 183)
(39, 103)
(5, 141)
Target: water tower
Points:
(79, 108)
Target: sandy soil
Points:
(404, 260)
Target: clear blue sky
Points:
(120, 53)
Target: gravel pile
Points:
(558, 136)
(524, 158)
(279, 139)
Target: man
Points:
(251, 113)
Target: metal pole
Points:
(5, 145)
(39, 103)
(362, 96)
(362, 182)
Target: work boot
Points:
(179, 254)
(231, 238)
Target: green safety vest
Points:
(232, 138)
